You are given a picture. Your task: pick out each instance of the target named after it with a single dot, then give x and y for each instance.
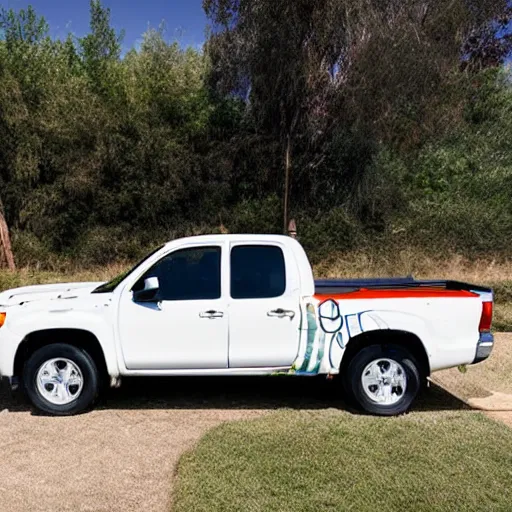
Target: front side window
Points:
(187, 274)
(257, 272)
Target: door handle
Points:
(282, 313)
(211, 314)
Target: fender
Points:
(395, 320)
(93, 321)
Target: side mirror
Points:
(330, 317)
(149, 292)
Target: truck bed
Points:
(339, 286)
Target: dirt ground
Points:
(122, 456)
(119, 457)
(486, 386)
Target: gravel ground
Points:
(122, 456)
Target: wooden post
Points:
(292, 228)
(5, 242)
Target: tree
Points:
(305, 68)
(100, 50)
(490, 43)
(330, 102)
(25, 41)
(266, 52)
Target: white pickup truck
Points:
(238, 305)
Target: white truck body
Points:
(295, 327)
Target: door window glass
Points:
(257, 272)
(187, 274)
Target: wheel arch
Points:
(405, 339)
(80, 338)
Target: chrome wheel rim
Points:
(384, 381)
(59, 381)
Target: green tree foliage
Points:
(100, 51)
(394, 124)
(386, 69)
(350, 81)
(94, 146)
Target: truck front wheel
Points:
(383, 380)
(61, 379)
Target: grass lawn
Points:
(332, 460)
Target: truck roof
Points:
(235, 238)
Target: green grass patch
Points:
(331, 460)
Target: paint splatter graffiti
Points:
(326, 332)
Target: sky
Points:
(185, 19)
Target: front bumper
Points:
(484, 347)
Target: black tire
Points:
(90, 377)
(354, 389)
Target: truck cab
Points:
(213, 304)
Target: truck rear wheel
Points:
(382, 380)
(61, 379)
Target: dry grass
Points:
(27, 276)
(410, 262)
(491, 273)
(486, 272)
(502, 321)
(340, 265)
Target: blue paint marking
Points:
(348, 324)
(339, 339)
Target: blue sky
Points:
(185, 19)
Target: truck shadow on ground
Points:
(234, 393)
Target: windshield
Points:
(113, 283)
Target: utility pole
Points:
(287, 165)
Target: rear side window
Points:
(257, 272)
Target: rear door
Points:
(264, 306)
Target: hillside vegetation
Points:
(384, 125)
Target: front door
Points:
(187, 325)
(264, 307)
